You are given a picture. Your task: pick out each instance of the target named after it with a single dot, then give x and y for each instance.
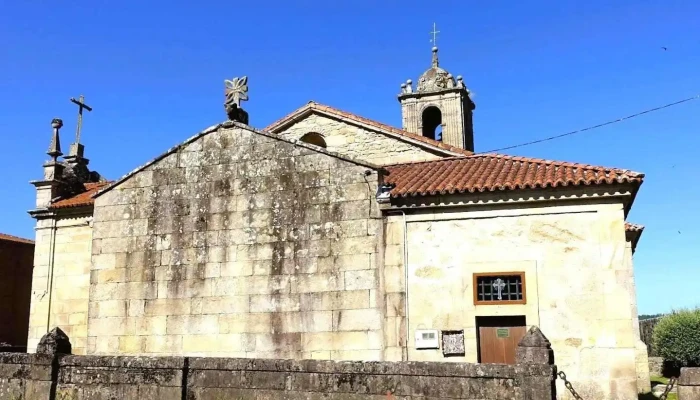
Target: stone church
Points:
(327, 235)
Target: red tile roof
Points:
(630, 227)
(362, 120)
(10, 238)
(81, 199)
(495, 172)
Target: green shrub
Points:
(676, 338)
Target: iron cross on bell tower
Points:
(76, 149)
(434, 33)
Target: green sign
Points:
(502, 332)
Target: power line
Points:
(595, 126)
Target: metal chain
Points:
(669, 386)
(562, 375)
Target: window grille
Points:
(499, 288)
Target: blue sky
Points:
(154, 71)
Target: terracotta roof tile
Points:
(81, 199)
(495, 172)
(630, 227)
(10, 238)
(362, 120)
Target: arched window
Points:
(314, 138)
(432, 123)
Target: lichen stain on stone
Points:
(430, 272)
(548, 232)
(574, 342)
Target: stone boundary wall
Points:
(646, 330)
(656, 366)
(26, 376)
(40, 377)
(53, 374)
(689, 384)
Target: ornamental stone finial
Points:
(55, 146)
(55, 341)
(236, 90)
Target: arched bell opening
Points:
(432, 123)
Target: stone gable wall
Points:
(356, 142)
(239, 245)
(42, 377)
(63, 301)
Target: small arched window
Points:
(432, 123)
(314, 138)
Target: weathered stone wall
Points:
(239, 244)
(357, 142)
(689, 384)
(578, 286)
(211, 379)
(26, 376)
(656, 366)
(30, 377)
(16, 259)
(95, 377)
(640, 349)
(63, 301)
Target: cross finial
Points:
(81, 104)
(434, 33)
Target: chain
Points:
(562, 375)
(669, 386)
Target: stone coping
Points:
(135, 362)
(440, 369)
(689, 377)
(25, 358)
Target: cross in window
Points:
(498, 284)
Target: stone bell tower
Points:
(439, 108)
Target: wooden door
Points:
(498, 338)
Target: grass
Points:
(658, 380)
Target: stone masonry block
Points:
(354, 320)
(355, 245)
(320, 282)
(362, 279)
(221, 305)
(192, 324)
(352, 262)
(275, 303)
(340, 300)
(247, 322)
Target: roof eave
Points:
(622, 192)
(82, 210)
(633, 196)
(633, 237)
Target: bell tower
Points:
(439, 108)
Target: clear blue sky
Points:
(154, 71)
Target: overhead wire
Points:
(675, 103)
